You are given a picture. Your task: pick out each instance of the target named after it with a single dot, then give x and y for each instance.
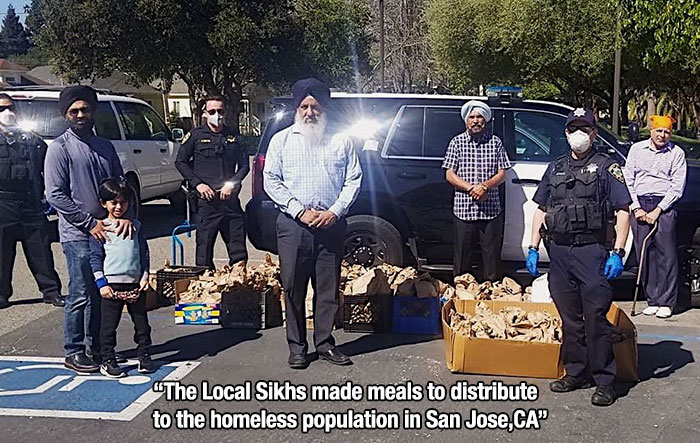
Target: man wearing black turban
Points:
(76, 163)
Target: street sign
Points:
(43, 387)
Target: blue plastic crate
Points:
(413, 315)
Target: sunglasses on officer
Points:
(585, 128)
(6, 107)
(215, 111)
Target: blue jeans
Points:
(81, 324)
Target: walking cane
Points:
(641, 266)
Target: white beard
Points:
(313, 132)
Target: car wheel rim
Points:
(364, 248)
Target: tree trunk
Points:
(624, 112)
(696, 119)
(233, 93)
(651, 107)
(192, 92)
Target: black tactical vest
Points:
(15, 164)
(577, 209)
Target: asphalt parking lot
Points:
(663, 406)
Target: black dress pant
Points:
(490, 235)
(20, 223)
(315, 254)
(583, 297)
(112, 314)
(225, 217)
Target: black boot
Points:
(4, 302)
(55, 299)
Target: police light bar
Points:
(504, 91)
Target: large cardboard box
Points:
(526, 359)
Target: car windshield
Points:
(41, 116)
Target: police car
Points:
(403, 214)
(144, 144)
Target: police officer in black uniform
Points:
(214, 161)
(583, 204)
(21, 208)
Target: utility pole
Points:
(616, 79)
(381, 45)
(616, 92)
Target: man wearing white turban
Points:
(475, 165)
(475, 105)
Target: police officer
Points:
(21, 207)
(581, 196)
(214, 161)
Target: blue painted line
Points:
(668, 337)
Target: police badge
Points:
(616, 172)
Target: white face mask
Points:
(579, 141)
(8, 118)
(216, 120)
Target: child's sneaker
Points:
(111, 369)
(146, 365)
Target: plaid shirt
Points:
(301, 176)
(476, 160)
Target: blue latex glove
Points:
(613, 267)
(531, 262)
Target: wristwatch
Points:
(619, 251)
(533, 248)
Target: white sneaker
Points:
(663, 312)
(650, 310)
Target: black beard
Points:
(84, 129)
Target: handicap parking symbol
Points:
(43, 387)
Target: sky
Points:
(19, 7)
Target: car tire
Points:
(371, 240)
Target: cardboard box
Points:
(526, 359)
(500, 357)
(193, 313)
(625, 351)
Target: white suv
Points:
(145, 145)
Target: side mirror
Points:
(178, 134)
(633, 132)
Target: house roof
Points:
(46, 74)
(178, 87)
(117, 82)
(7, 65)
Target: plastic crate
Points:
(250, 310)
(379, 307)
(413, 315)
(165, 280)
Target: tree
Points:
(563, 48)
(216, 46)
(13, 37)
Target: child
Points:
(120, 267)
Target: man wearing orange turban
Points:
(655, 175)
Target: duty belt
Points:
(577, 239)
